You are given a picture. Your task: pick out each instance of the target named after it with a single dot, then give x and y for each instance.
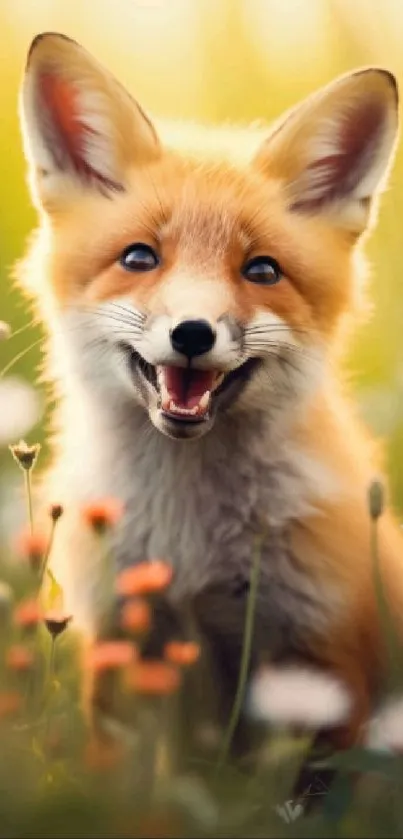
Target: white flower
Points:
(5, 330)
(20, 409)
(298, 696)
(385, 731)
(289, 812)
(6, 602)
(6, 593)
(12, 507)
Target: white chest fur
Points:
(196, 504)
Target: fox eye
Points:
(139, 257)
(263, 270)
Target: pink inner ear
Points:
(64, 127)
(356, 140)
(60, 101)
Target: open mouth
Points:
(185, 393)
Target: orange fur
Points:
(207, 208)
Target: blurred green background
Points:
(220, 60)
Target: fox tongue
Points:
(184, 389)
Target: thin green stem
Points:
(148, 757)
(50, 671)
(47, 554)
(17, 357)
(28, 492)
(21, 329)
(108, 576)
(51, 664)
(48, 687)
(245, 657)
(387, 624)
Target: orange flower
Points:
(19, 658)
(153, 677)
(100, 515)
(32, 546)
(100, 755)
(28, 613)
(145, 578)
(10, 702)
(182, 653)
(110, 655)
(136, 616)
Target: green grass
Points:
(57, 781)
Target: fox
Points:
(198, 285)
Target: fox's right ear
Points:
(333, 152)
(80, 128)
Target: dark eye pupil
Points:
(139, 258)
(262, 269)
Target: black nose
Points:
(192, 337)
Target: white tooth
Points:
(218, 380)
(165, 398)
(176, 409)
(204, 400)
(164, 394)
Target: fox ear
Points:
(80, 127)
(332, 153)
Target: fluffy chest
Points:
(200, 505)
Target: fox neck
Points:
(110, 443)
(197, 504)
(112, 429)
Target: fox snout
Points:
(193, 337)
(183, 367)
(192, 341)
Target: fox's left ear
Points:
(333, 152)
(81, 129)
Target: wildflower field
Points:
(161, 766)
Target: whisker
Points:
(108, 316)
(94, 342)
(133, 315)
(119, 318)
(132, 312)
(269, 342)
(107, 327)
(249, 226)
(104, 350)
(268, 346)
(114, 331)
(266, 329)
(109, 313)
(145, 225)
(261, 328)
(158, 197)
(155, 220)
(288, 363)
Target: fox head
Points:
(196, 273)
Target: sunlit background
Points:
(211, 60)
